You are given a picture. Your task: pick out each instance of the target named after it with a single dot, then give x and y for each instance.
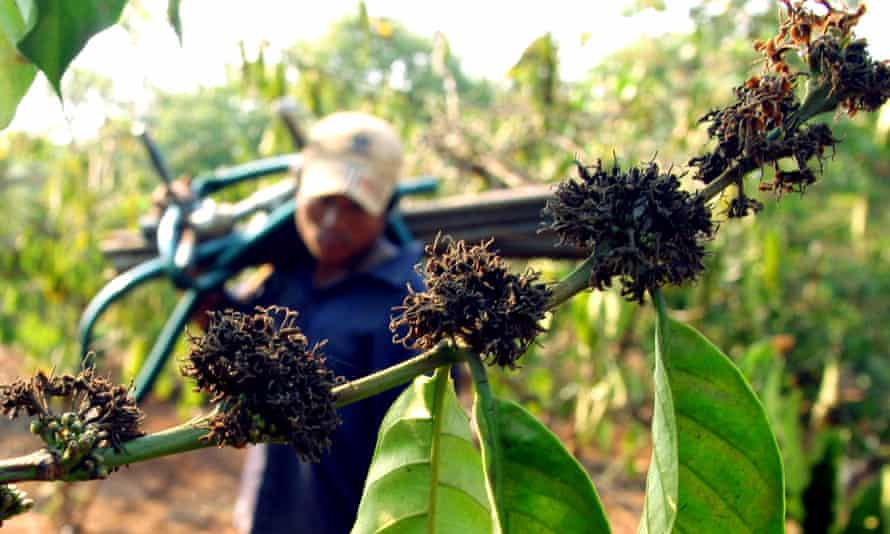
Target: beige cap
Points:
(352, 154)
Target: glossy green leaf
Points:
(766, 371)
(543, 488)
(426, 475)
(16, 72)
(62, 29)
(715, 464)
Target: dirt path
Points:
(187, 493)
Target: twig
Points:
(44, 465)
(486, 418)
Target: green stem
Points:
(727, 178)
(577, 281)
(42, 465)
(182, 438)
(486, 416)
(399, 374)
(39, 465)
(660, 307)
(819, 99)
(440, 380)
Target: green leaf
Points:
(537, 486)
(765, 369)
(543, 487)
(62, 29)
(16, 72)
(715, 465)
(174, 19)
(426, 475)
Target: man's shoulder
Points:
(401, 267)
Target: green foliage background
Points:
(799, 296)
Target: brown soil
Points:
(192, 492)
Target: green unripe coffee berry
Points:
(36, 426)
(68, 418)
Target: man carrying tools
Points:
(344, 294)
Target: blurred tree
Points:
(211, 128)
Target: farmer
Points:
(344, 294)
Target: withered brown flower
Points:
(640, 226)
(471, 296)
(95, 403)
(836, 58)
(270, 385)
(762, 105)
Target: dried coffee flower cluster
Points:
(754, 132)
(837, 60)
(766, 124)
(472, 297)
(269, 384)
(100, 414)
(13, 501)
(641, 227)
(762, 105)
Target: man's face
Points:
(336, 230)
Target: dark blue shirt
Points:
(281, 494)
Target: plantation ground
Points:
(192, 492)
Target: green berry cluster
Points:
(100, 415)
(13, 501)
(74, 442)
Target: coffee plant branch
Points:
(819, 99)
(44, 465)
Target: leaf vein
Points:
(396, 520)
(530, 518)
(741, 452)
(720, 497)
(402, 467)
